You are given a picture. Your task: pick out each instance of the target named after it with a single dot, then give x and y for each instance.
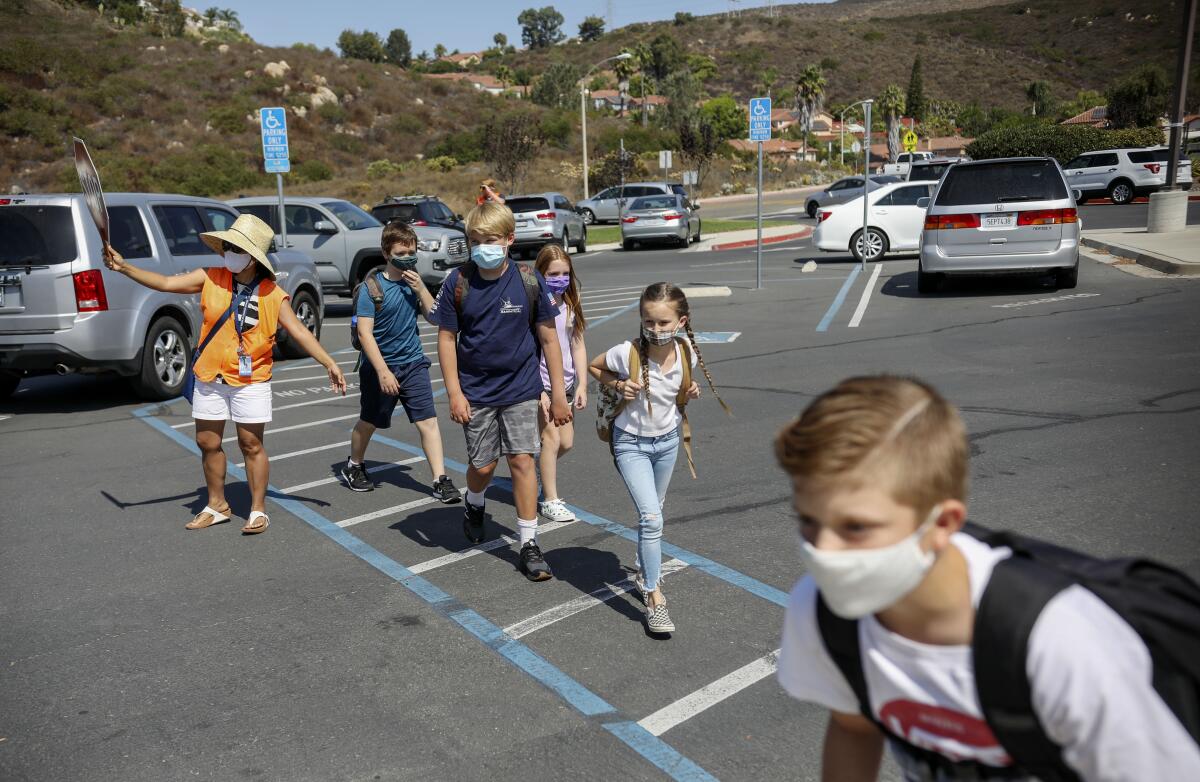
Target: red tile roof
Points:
(1097, 116)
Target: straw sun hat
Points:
(249, 234)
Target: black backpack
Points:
(375, 291)
(1161, 604)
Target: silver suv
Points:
(1124, 174)
(343, 240)
(605, 206)
(546, 218)
(61, 311)
(1005, 215)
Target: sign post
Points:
(760, 131)
(866, 181)
(276, 159)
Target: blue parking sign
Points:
(760, 119)
(273, 122)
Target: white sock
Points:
(528, 530)
(476, 498)
(350, 461)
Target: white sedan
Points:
(894, 222)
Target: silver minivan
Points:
(62, 311)
(606, 206)
(546, 218)
(1003, 215)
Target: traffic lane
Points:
(774, 201)
(1097, 217)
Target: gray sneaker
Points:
(658, 620)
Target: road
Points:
(360, 638)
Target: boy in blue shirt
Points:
(492, 318)
(395, 369)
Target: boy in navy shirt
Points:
(490, 330)
(395, 369)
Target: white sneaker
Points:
(555, 510)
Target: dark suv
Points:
(418, 210)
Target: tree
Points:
(500, 39)
(702, 66)
(556, 87)
(1084, 100)
(699, 143)
(1140, 99)
(439, 51)
(523, 77)
(683, 17)
(361, 46)
(810, 93)
(591, 28)
(915, 100)
(505, 75)
(891, 106)
(666, 56)
(766, 80)
(728, 119)
(510, 143)
(682, 91)
(540, 28)
(230, 18)
(399, 48)
(210, 16)
(624, 69)
(1038, 93)
(643, 55)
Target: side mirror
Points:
(458, 217)
(923, 203)
(1077, 194)
(695, 205)
(273, 248)
(325, 227)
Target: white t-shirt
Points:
(1089, 671)
(661, 415)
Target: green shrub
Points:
(873, 35)
(312, 171)
(465, 146)
(557, 129)
(228, 119)
(381, 169)
(442, 163)
(1061, 142)
(332, 113)
(409, 124)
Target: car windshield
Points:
(654, 202)
(389, 212)
(36, 234)
(351, 216)
(527, 204)
(1001, 182)
(929, 173)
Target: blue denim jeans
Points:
(646, 464)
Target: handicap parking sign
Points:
(273, 122)
(760, 119)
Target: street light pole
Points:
(866, 104)
(583, 113)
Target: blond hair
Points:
(880, 427)
(491, 219)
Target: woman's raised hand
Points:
(113, 259)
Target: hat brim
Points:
(214, 240)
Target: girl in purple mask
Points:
(554, 264)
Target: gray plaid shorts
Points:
(496, 430)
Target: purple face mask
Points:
(557, 283)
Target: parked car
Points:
(420, 210)
(605, 206)
(1123, 174)
(546, 218)
(61, 311)
(842, 191)
(343, 240)
(894, 222)
(903, 161)
(1004, 215)
(931, 170)
(660, 217)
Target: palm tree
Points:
(624, 69)
(505, 75)
(891, 105)
(810, 92)
(230, 17)
(1038, 93)
(644, 57)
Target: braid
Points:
(687, 325)
(641, 346)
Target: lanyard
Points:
(239, 298)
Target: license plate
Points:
(1002, 220)
(652, 221)
(522, 223)
(10, 296)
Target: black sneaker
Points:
(533, 565)
(356, 478)
(444, 490)
(473, 522)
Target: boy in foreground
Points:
(395, 368)
(879, 471)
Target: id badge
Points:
(245, 368)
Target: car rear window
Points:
(268, 214)
(678, 190)
(654, 202)
(406, 212)
(1154, 156)
(931, 173)
(527, 204)
(36, 234)
(994, 183)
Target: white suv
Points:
(1123, 174)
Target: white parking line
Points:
(606, 298)
(590, 310)
(290, 454)
(335, 478)
(582, 603)
(310, 365)
(1049, 300)
(710, 695)
(379, 514)
(591, 291)
(861, 309)
(491, 545)
(300, 426)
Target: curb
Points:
(1150, 260)
(802, 234)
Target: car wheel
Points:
(307, 312)
(581, 248)
(1081, 201)
(928, 282)
(1067, 278)
(877, 245)
(166, 360)
(685, 241)
(628, 244)
(8, 383)
(811, 209)
(589, 217)
(1120, 192)
(699, 225)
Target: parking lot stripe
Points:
(590, 310)
(594, 291)
(580, 698)
(301, 426)
(836, 304)
(311, 365)
(606, 299)
(861, 309)
(710, 695)
(382, 512)
(612, 315)
(335, 478)
(582, 603)
(314, 449)
(491, 545)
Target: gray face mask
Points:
(659, 337)
(405, 263)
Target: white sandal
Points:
(217, 518)
(250, 528)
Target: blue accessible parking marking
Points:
(717, 336)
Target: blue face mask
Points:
(489, 256)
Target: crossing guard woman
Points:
(233, 372)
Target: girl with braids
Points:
(554, 264)
(648, 428)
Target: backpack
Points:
(375, 291)
(533, 290)
(609, 403)
(1161, 604)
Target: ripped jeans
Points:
(646, 464)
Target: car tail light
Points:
(628, 219)
(1047, 217)
(89, 291)
(1153, 168)
(5, 201)
(671, 216)
(419, 222)
(546, 215)
(823, 216)
(951, 222)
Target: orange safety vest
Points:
(221, 355)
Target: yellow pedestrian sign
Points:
(909, 140)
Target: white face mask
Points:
(237, 262)
(858, 582)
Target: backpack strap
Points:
(375, 290)
(635, 369)
(681, 400)
(840, 637)
(533, 291)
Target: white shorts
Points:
(249, 404)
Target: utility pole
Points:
(1168, 207)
